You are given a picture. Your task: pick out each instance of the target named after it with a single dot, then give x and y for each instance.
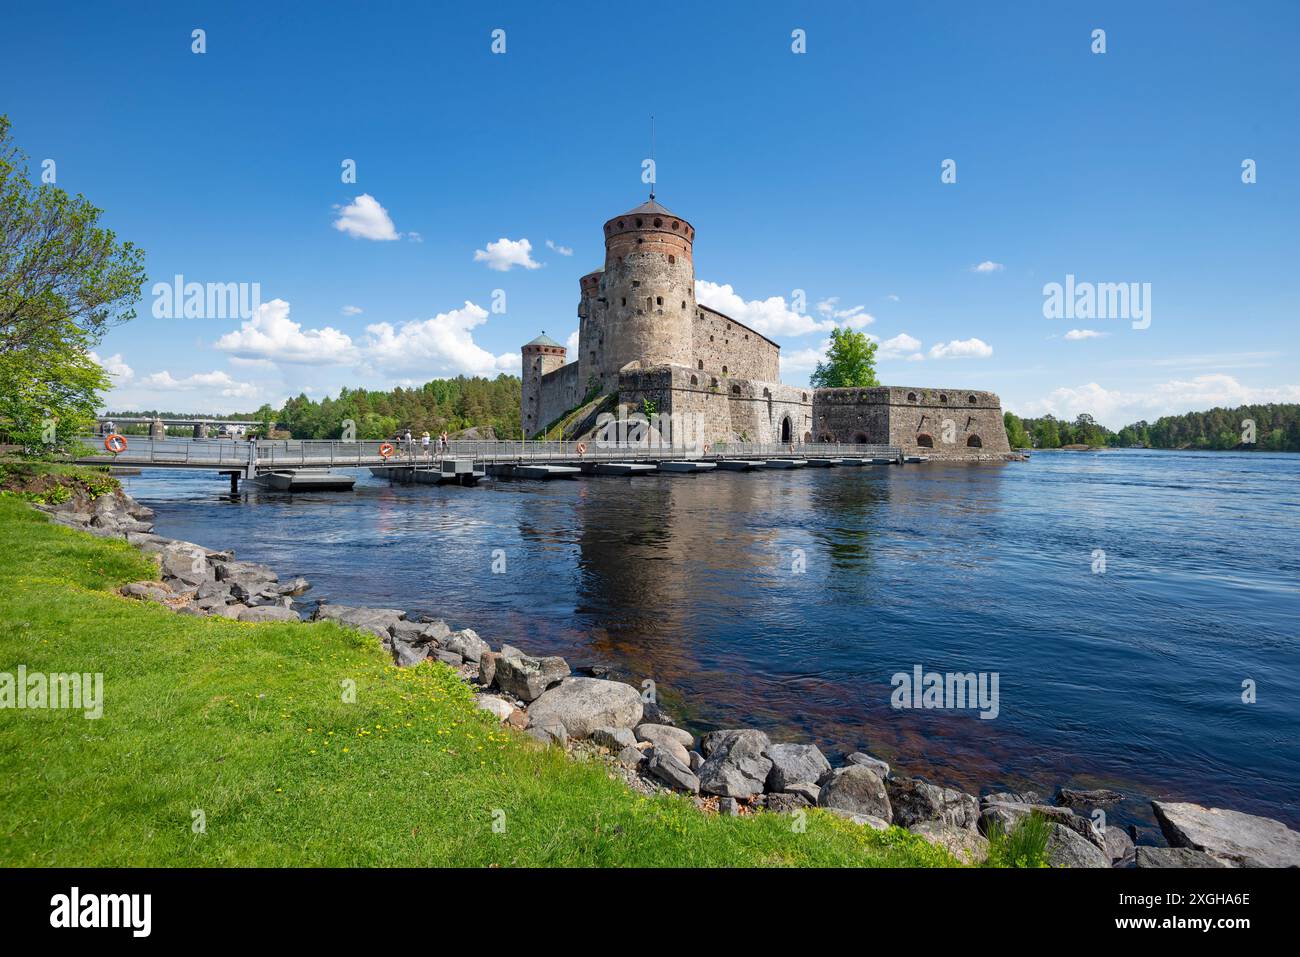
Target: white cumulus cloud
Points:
(505, 254)
(901, 346)
(116, 367)
(961, 349)
(771, 316)
(351, 310)
(439, 346)
(556, 247)
(364, 218)
(854, 317)
(217, 381)
(1076, 335)
(271, 334)
(987, 266)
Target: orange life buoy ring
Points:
(582, 448)
(386, 449)
(115, 443)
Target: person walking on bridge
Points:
(424, 441)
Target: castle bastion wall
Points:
(940, 423)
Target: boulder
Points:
(266, 613)
(1009, 814)
(494, 705)
(785, 803)
(1118, 844)
(377, 621)
(654, 733)
(867, 761)
(1069, 797)
(435, 628)
(728, 807)
(295, 587)
(1012, 797)
(407, 652)
(186, 563)
(795, 764)
(552, 733)
(866, 820)
(735, 763)
(630, 757)
(672, 772)
(527, 677)
(584, 704)
(616, 739)
(809, 792)
(1174, 857)
(1243, 840)
(147, 591)
(487, 668)
(856, 790)
(1067, 848)
(915, 801)
(466, 643)
(697, 761)
(243, 571)
(447, 657)
(966, 844)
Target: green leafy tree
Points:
(1016, 433)
(850, 362)
(64, 281)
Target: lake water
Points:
(1130, 678)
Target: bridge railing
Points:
(274, 454)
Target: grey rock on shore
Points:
(1231, 836)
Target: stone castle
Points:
(644, 342)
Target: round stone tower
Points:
(648, 288)
(541, 356)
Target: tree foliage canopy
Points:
(850, 362)
(64, 281)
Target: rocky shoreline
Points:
(732, 772)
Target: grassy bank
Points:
(246, 724)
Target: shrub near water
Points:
(227, 743)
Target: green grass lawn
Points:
(247, 724)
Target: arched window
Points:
(735, 389)
(659, 300)
(694, 380)
(911, 397)
(671, 259)
(925, 441)
(807, 438)
(700, 364)
(786, 430)
(943, 398)
(724, 370)
(970, 399)
(658, 222)
(974, 442)
(860, 439)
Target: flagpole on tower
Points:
(655, 170)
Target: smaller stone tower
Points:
(541, 356)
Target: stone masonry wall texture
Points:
(642, 334)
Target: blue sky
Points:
(818, 172)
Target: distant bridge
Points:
(527, 458)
